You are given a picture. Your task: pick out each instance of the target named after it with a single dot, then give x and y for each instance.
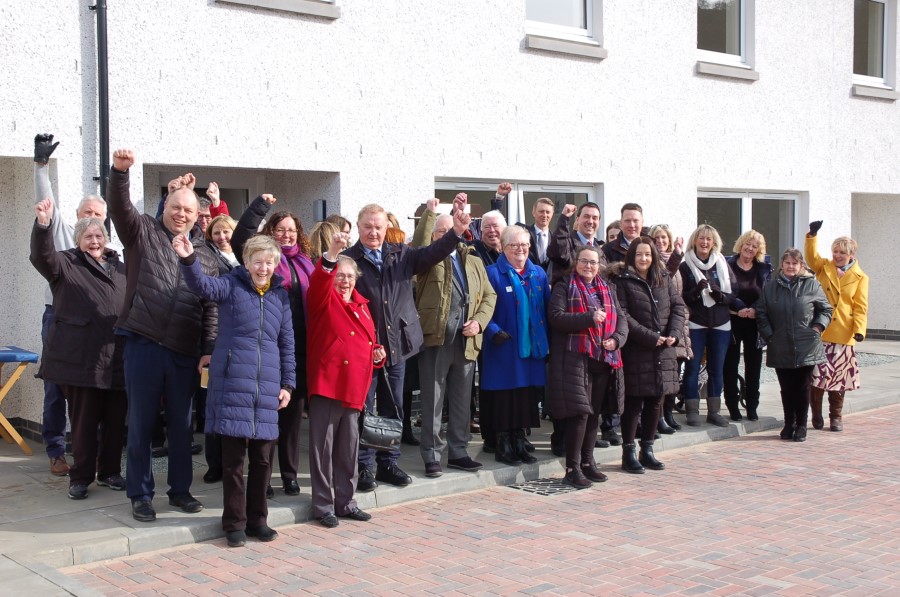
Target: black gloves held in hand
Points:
(716, 294)
(858, 337)
(814, 227)
(43, 148)
(702, 285)
(500, 338)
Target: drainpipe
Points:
(103, 95)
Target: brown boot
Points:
(815, 407)
(59, 467)
(835, 406)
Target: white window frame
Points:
(328, 9)
(888, 53)
(732, 65)
(586, 42)
(747, 197)
(515, 202)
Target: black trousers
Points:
(743, 332)
(581, 430)
(244, 505)
(795, 384)
(645, 408)
(90, 410)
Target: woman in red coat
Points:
(341, 355)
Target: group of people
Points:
(593, 333)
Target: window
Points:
(868, 38)
(567, 26)
(521, 200)
(731, 213)
(725, 38)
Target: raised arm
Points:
(207, 287)
(425, 226)
(122, 212)
(249, 223)
(43, 254)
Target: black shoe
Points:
(212, 476)
(159, 452)
(464, 464)
(489, 448)
(329, 520)
(611, 436)
(800, 434)
(114, 482)
(186, 503)
(408, 438)
(671, 422)
(592, 473)
(751, 413)
(664, 428)
(506, 452)
(679, 406)
(357, 514)
(787, 432)
(647, 458)
(528, 445)
(433, 470)
(77, 491)
(291, 487)
(196, 448)
(270, 493)
(598, 443)
(236, 538)
(392, 475)
(734, 413)
(630, 462)
(263, 533)
(575, 478)
(143, 511)
(559, 450)
(520, 449)
(366, 481)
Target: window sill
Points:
(316, 8)
(587, 48)
(725, 70)
(876, 92)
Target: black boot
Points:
(648, 459)
(505, 452)
(734, 409)
(630, 462)
(521, 449)
(668, 407)
(663, 427)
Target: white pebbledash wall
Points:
(376, 104)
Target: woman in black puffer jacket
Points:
(655, 315)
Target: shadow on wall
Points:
(296, 190)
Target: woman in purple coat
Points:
(252, 375)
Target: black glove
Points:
(814, 227)
(716, 294)
(500, 338)
(858, 337)
(43, 148)
(702, 285)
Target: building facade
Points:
(742, 113)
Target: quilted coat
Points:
(254, 354)
(651, 312)
(158, 304)
(568, 370)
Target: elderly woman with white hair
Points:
(847, 287)
(515, 348)
(83, 356)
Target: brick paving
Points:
(749, 516)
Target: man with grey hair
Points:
(455, 302)
(488, 248)
(53, 422)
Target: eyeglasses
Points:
(588, 262)
(347, 277)
(519, 246)
(285, 231)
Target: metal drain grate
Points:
(543, 487)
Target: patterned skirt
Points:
(839, 372)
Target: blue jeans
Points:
(53, 424)
(715, 343)
(391, 376)
(152, 372)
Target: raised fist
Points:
(814, 227)
(43, 148)
(123, 159)
(270, 199)
(461, 221)
(212, 191)
(460, 201)
(568, 210)
(504, 188)
(43, 211)
(432, 204)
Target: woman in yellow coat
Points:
(847, 289)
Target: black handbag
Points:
(380, 433)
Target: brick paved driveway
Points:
(754, 516)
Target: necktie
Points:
(457, 271)
(541, 247)
(375, 257)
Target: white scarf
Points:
(715, 259)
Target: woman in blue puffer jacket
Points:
(252, 375)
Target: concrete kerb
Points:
(135, 538)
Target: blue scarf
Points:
(531, 334)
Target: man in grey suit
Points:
(455, 302)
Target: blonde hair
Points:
(371, 209)
(664, 228)
(320, 238)
(223, 219)
(261, 243)
(846, 243)
(752, 236)
(707, 230)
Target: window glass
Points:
(559, 201)
(566, 13)
(723, 214)
(479, 200)
(774, 219)
(719, 26)
(868, 38)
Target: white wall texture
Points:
(376, 104)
